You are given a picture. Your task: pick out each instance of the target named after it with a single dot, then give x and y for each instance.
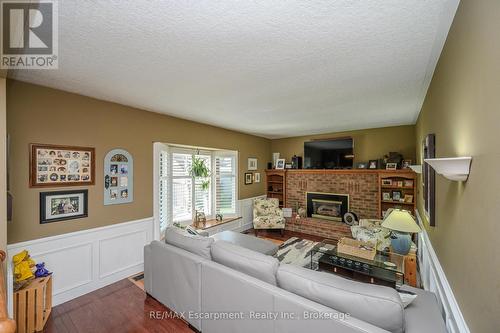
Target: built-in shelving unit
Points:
(397, 190)
(276, 185)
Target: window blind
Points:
(225, 182)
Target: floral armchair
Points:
(267, 214)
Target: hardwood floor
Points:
(119, 307)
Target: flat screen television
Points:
(329, 154)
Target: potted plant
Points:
(199, 169)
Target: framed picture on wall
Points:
(252, 164)
(248, 178)
(53, 165)
(256, 177)
(63, 205)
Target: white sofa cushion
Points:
(253, 263)
(378, 305)
(199, 245)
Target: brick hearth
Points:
(362, 188)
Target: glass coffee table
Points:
(385, 269)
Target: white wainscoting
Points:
(87, 260)
(433, 279)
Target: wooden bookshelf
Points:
(276, 185)
(402, 182)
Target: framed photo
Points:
(252, 164)
(256, 177)
(396, 195)
(406, 164)
(400, 183)
(248, 178)
(362, 165)
(386, 196)
(63, 205)
(373, 164)
(391, 166)
(280, 164)
(288, 165)
(408, 198)
(386, 182)
(408, 183)
(52, 166)
(118, 177)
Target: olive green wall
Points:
(42, 115)
(369, 144)
(462, 109)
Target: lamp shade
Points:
(401, 220)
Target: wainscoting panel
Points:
(433, 279)
(87, 260)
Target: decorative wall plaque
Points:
(118, 177)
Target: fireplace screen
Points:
(327, 209)
(327, 206)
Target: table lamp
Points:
(402, 225)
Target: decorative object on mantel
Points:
(351, 218)
(393, 157)
(453, 168)
(429, 179)
(118, 177)
(373, 164)
(402, 225)
(63, 205)
(288, 165)
(276, 156)
(252, 164)
(280, 164)
(405, 164)
(296, 162)
(391, 166)
(362, 165)
(54, 166)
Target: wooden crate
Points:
(355, 248)
(32, 305)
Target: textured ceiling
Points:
(270, 68)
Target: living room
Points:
(251, 166)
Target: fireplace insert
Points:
(327, 206)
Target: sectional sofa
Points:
(217, 286)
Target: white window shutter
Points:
(225, 182)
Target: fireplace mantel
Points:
(346, 171)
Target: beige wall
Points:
(462, 109)
(369, 144)
(41, 115)
(3, 175)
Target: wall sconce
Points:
(453, 168)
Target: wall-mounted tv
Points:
(329, 154)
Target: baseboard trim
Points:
(434, 279)
(87, 260)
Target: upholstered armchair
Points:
(267, 215)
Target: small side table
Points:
(33, 304)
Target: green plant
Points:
(199, 169)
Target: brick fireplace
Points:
(361, 186)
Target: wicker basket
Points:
(356, 248)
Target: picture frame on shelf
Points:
(408, 183)
(386, 182)
(248, 178)
(396, 195)
(373, 164)
(400, 183)
(57, 165)
(405, 164)
(408, 198)
(391, 166)
(56, 206)
(256, 177)
(280, 164)
(252, 164)
(386, 196)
